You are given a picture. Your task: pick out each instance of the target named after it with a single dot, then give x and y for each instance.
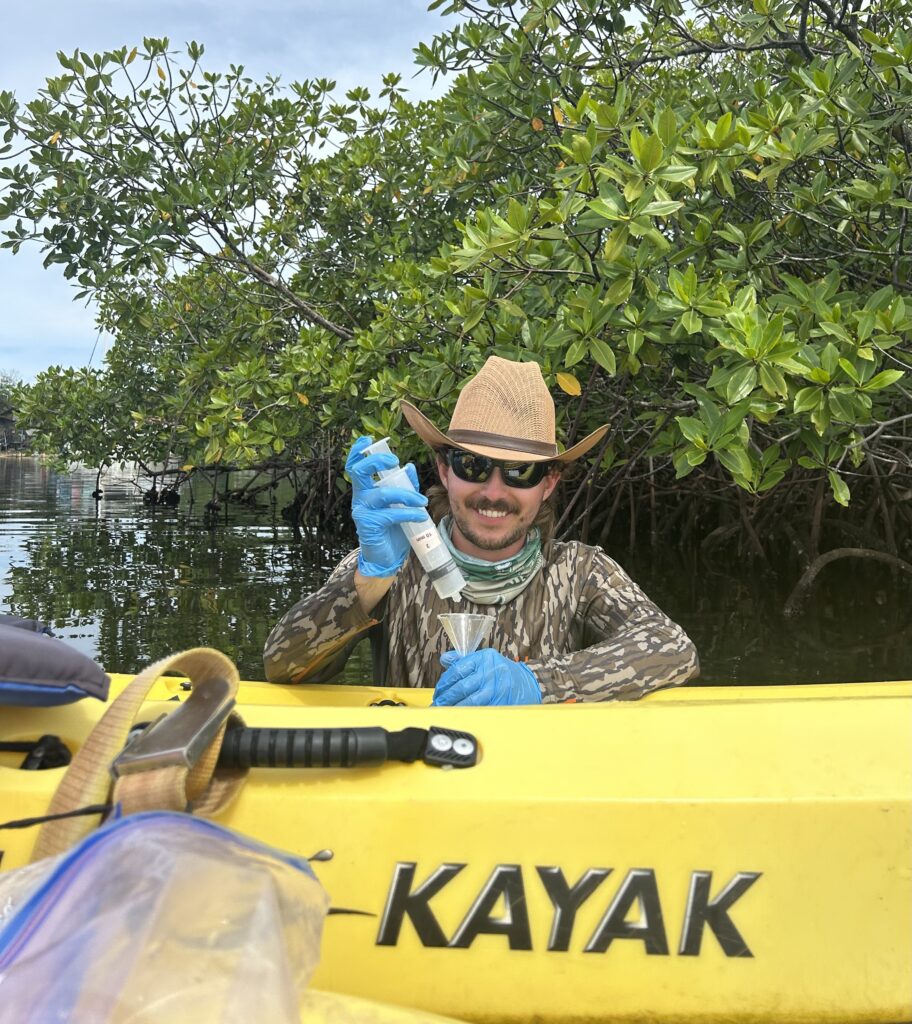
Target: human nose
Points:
(494, 486)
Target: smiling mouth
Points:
(490, 514)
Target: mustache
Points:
(483, 505)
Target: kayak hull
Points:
(741, 854)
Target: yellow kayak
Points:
(738, 854)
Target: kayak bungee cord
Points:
(42, 818)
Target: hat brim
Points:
(437, 439)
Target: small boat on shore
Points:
(704, 854)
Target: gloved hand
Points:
(383, 545)
(485, 677)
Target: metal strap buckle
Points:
(178, 739)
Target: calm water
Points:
(127, 583)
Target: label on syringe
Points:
(425, 542)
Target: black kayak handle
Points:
(303, 748)
(364, 747)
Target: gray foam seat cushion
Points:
(37, 671)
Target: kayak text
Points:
(505, 890)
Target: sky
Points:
(353, 42)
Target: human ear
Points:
(442, 472)
(552, 480)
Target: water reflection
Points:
(128, 583)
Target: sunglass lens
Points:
(475, 469)
(523, 474)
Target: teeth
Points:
(491, 515)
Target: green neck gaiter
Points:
(496, 582)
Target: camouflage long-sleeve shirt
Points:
(582, 626)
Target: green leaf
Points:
(807, 398)
(882, 380)
(820, 417)
(723, 128)
(616, 244)
(849, 370)
(603, 355)
(773, 477)
(741, 383)
(829, 359)
(842, 407)
(667, 125)
(637, 142)
(661, 209)
(619, 291)
(635, 341)
(605, 208)
(839, 488)
(510, 307)
(736, 461)
(769, 456)
(677, 173)
(692, 322)
(633, 189)
(772, 381)
(474, 317)
(681, 287)
(651, 153)
(692, 429)
(581, 148)
(576, 352)
(683, 466)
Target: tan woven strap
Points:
(88, 781)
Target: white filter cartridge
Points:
(424, 537)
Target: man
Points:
(570, 625)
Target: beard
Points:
(463, 522)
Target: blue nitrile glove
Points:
(485, 677)
(383, 545)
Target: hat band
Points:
(515, 444)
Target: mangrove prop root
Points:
(797, 597)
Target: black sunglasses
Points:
(477, 469)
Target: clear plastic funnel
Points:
(466, 631)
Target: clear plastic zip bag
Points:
(159, 917)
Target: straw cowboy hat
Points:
(505, 412)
